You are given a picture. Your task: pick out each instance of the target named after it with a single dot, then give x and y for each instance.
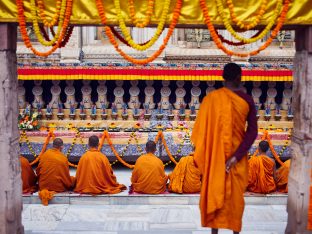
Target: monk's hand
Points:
(230, 163)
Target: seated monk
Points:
(53, 172)
(185, 177)
(282, 177)
(29, 177)
(261, 171)
(94, 173)
(148, 175)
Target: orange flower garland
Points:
(44, 147)
(255, 20)
(23, 30)
(55, 16)
(149, 13)
(106, 136)
(160, 134)
(219, 44)
(111, 37)
(267, 137)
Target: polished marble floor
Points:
(124, 214)
(142, 219)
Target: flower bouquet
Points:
(28, 121)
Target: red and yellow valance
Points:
(147, 73)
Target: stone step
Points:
(162, 199)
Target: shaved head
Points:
(57, 143)
(93, 141)
(150, 147)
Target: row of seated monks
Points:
(95, 176)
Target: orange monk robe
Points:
(261, 174)
(95, 176)
(218, 131)
(148, 175)
(185, 177)
(282, 177)
(29, 177)
(53, 172)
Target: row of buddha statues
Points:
(149, 91)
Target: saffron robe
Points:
(218, 132)
(53, 172)
(261, 175)
(282, 177)
(148, 175)
(29, 177)
(95, 175)
(185, 177)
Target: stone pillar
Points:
(300, 171)
(10, 173)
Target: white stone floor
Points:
(142, 219)
(154, 215)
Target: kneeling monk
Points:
(148, 175)
(261, 171)
(185, 177)
(29, 177)
(53, 172)
(94, 173)
(282, 177)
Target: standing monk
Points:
(221, 145)
(148, 175)
(261, 171)
(185, 177)
(94, 173)
(281, 177)
(53, 172)
(29, 177)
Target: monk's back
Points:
(53, 171)
(260, 176)
(148, 175)
(95, 176)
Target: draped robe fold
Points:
(282, 177)
(29, 177)
(53, 172)
(261, 175)
(148, 175)
(95, 175)
(185, 177)
(218, 131)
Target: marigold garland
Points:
(232, 43)
(44, 147)
(219, 44)
(160, 135)
(254, 20)
(127, 34)
(55, 17)
(23, 30)
(149, 13)
(110, 35)
(267, 137)
(237, 36)
(36, 27)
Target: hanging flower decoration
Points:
(62, 31)
(149, 13)
(219, 44)
(127, 35)
(254, 20)
(110, 34)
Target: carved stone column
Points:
(10, 174)
(300, 171)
